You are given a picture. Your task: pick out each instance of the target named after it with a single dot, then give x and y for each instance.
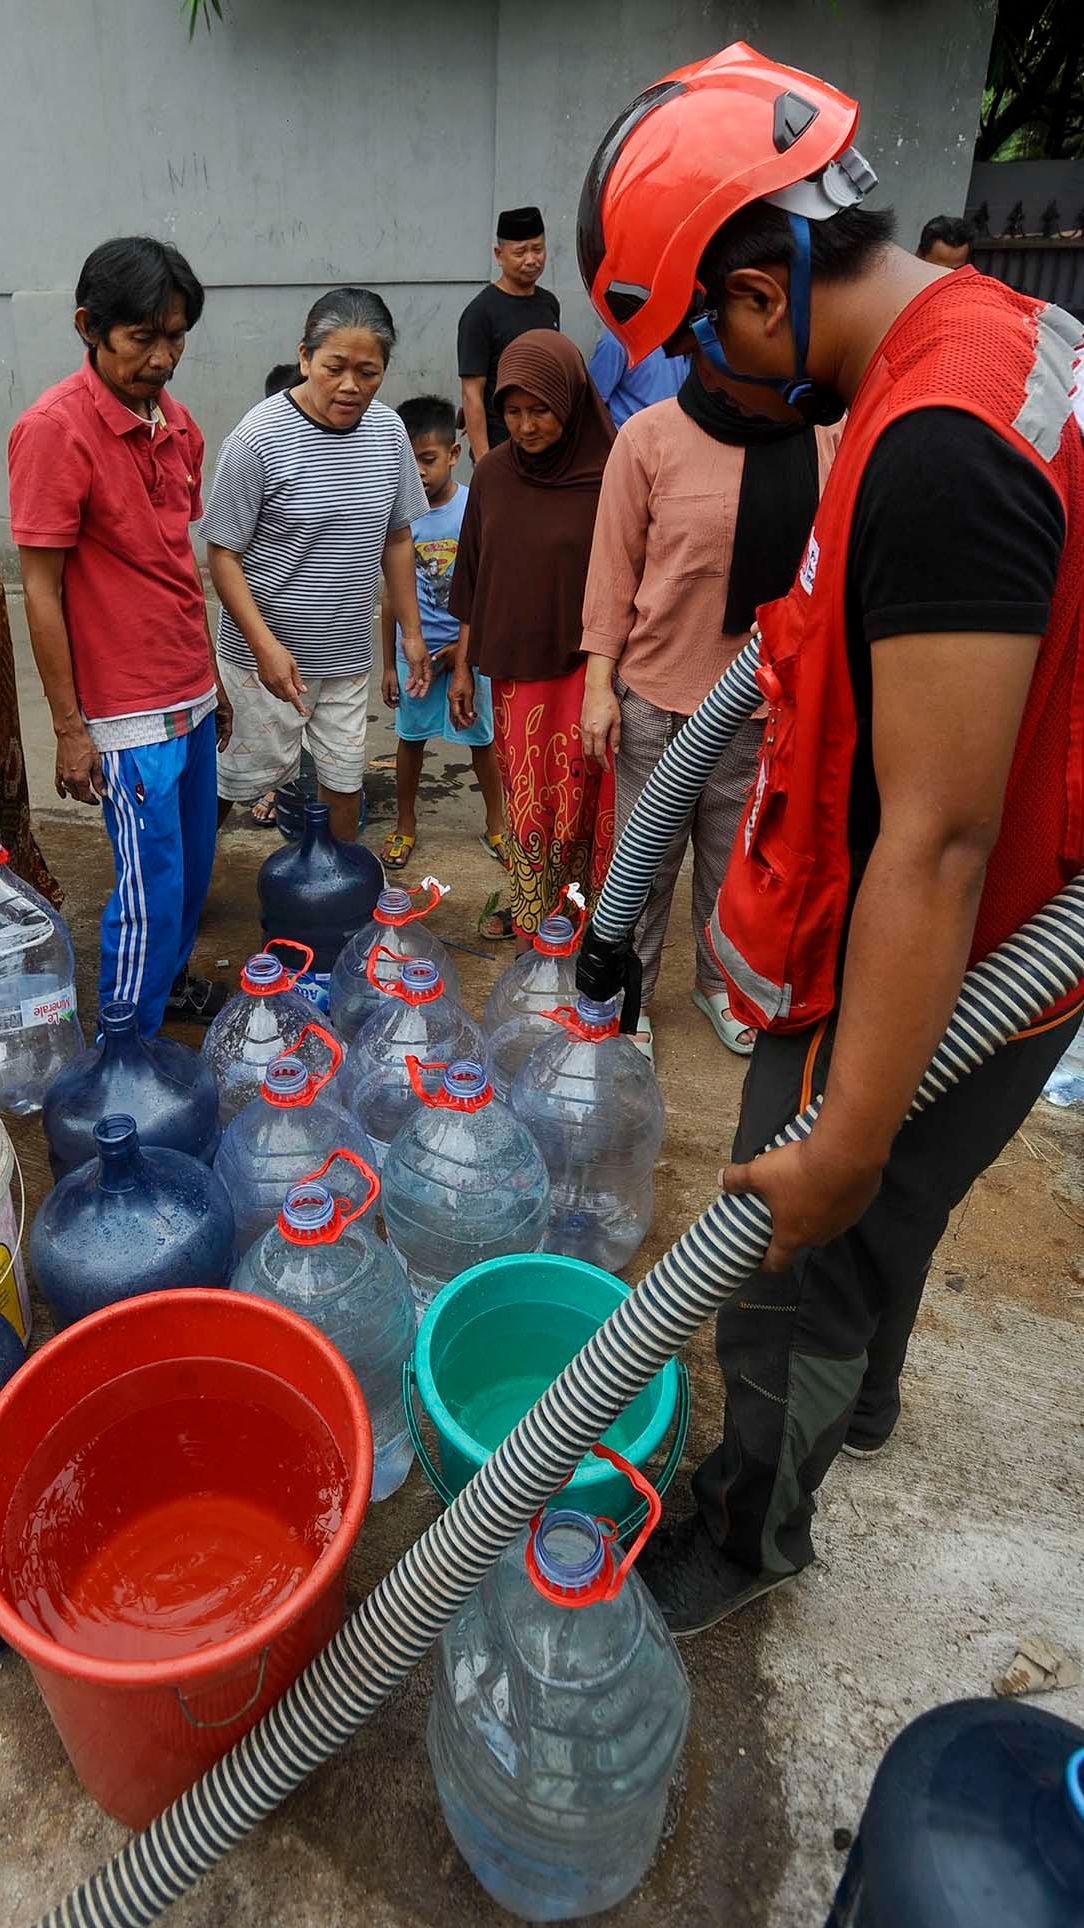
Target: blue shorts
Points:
(417, 718)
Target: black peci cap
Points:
(520, 224)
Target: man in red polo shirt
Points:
(105, 480)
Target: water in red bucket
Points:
(155, 1520)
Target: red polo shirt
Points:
(88, 476)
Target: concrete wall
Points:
(309, 142)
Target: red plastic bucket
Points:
(138, 1732)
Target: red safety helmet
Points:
(684, 156)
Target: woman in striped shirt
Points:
(314, 494)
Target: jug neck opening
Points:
(287, 1082)
(419, 982)
(556, 936)
(568, 1557)
(317, 826)
(465, 1086)
(119, 1027)
(116, 1140)
(263, 975)
(392, 906)
(310, 1215)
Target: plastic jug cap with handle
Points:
(288, 1081)
(312, 1215)
(557, 935)
(265, 975)
(394, 907)
(419, 981)
(590, 1021)
(570, 1556)
(465, 1085)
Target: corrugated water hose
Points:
(394, 1628)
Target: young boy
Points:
(430, 423)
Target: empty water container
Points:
(321, 1261)
(168, 1090)
(542, 978)
(280, 1136)
(319, 891)
(558, 1718)
(975, 1820)
(39, 1027)
(353, 995)
(463, 1180)
(136, 1219)
(262, 1021)
(418, 1020)
(594, 1106)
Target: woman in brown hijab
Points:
(518, 591)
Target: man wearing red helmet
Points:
(920, 792)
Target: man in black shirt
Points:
(508, 307)
(945, 242)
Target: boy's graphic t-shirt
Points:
(436, 542)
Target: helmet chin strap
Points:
(797, 388)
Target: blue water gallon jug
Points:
(39, 1027)
(544, 977)
(975, 1820)
(463, 1180)
(418, 1019)
(135, 1219)
(280, 1137)
(319, 891)
(12, 1351)
(321, 1261)
(261, 1022)
(396, 932)
(168, 1090)
(594, 1107)
(558, 1719)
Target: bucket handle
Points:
(227, 1720)
(633, 1519)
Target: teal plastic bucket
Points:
(490, 1344)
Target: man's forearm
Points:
(907, 950)
(52, 654)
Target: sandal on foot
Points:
(494, 844)
(397, 850)
(263, 813)
(644, 1039)
(495, 924)
(736, 1036)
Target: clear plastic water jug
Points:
(594, 1106)
(39, 1025)
(545, 976)
(352, 995)
(319, 891)
(262, 1021)
(136, 1219)
(321, 1261)
(1065, 1085)
(558, 1719)
(418, 1020)
(975, 1820)
(463, 1180)
(279, 1138)
(168, 1090)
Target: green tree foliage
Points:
(1033, 106)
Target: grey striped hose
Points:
(394, 1628)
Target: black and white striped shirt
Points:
(308, 510)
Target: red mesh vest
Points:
(967, 343)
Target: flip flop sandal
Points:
(736, 1036)
(397, 850)
(263, 813)
(495, 846)
(501, 918)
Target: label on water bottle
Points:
(315, 987)
(51, 1007)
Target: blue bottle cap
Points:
(393, 901)
(465, 1078)
(264, 969)
(569, 1549)
(308, 1207)
(420, 974)
(285, 1077)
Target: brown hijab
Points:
(550, 367)
(521, 569)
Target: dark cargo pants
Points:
(815, 1353)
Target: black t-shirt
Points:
(953, 530)
(487, 325)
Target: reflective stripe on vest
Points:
(772, 1000)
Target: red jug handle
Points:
(572, 1022)
(396, 919)
(343, 1215)
(292, 977)
(442, 1100)
(315, 1084)
(607, 1584)
(396, 989)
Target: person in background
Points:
(704, 512)
(509, 307)
(430, 424)
(626, 390)
(285, 374)
(946, 241)
(314, 491)
(518, 594)
(105, 481)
